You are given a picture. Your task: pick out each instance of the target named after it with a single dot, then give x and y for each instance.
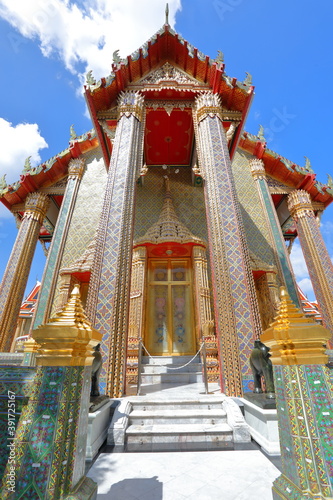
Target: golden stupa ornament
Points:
(68, 338)
(293, 338)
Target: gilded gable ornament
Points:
(168, 73)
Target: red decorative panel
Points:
(168, 139)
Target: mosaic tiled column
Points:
(50, 440)
(315, 253)
(205, 322)
(109, 288)
(304, 403)
(237, 318)
(135, 324)
(277, 241)
(46, 294)
(17, 271)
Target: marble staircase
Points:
(173, 413)
(171, 370)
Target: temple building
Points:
(173, 219)
(167, 229)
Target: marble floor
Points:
(208, 475)
(245, 474)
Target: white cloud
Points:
(298, 262)
(301, 271)
(306, 287)
(17, 143)
(87, 34)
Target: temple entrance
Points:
(169, 312)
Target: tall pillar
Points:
(277, 240)
(303, 389)
(235, 303)
(109, 288)
(204, 318)
(53, 263)
(17, 271)
(135, 323)
(315, 253)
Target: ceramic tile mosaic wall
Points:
(188, 201)
(87, 210)
(15, 386)
(257, 232)
(305, 410)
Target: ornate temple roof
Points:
(172, 72)
(285, 171)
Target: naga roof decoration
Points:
(285, 171)
(167, 46)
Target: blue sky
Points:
(47, 46)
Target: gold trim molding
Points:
(36, 206)
(257, 168)
(208, 104)
(299, 204)
(76, 168)
(131, 103)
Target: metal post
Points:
(205, 366)
(139, 366)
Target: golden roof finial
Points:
(293, 338)
(167, 14)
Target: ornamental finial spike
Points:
(167, 14)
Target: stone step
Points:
(202, 402)
(172, 417)
(169, 368)
(169, 360)
(171, 378)
(179, 437)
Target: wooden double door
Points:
(169, 325)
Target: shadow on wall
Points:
(135, 488)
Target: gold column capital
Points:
(68, 337)
(208, 104)
(131, 102)
(293, 338)
(76, 168)
(299, 204)
(36, 205)
(257, 168)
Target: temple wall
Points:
(188, 201)
(87, 210)
(254, 220)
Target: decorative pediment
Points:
(168, 76)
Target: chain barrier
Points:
(178, 367)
